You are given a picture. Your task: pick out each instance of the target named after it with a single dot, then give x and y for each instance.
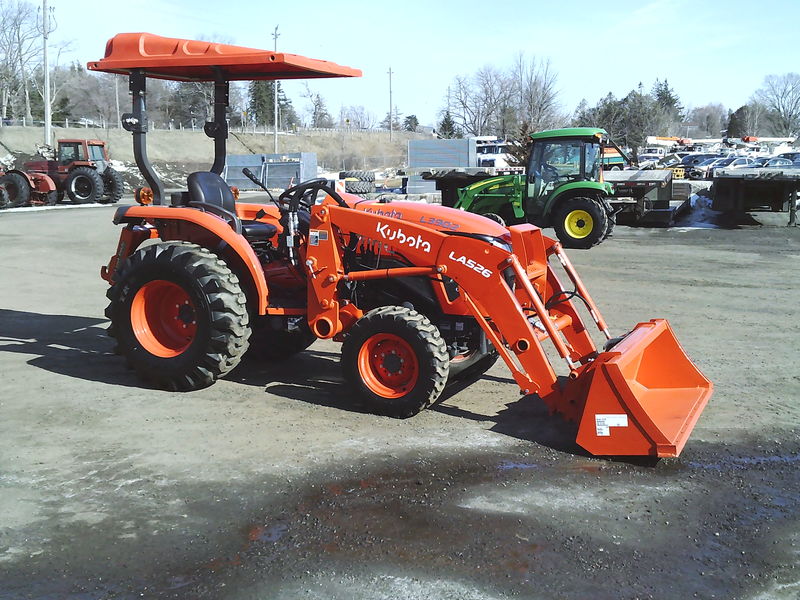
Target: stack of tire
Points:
(358, 182)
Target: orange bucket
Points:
(643, 396)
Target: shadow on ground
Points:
(65, 344)
(79, 347)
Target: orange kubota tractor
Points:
(417, 294)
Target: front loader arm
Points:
(477, 266)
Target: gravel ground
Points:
(272, 485)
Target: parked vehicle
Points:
(81, 170)
(772, 163)
(417, 294)
(730, 163)
(692, 160)
(701, 170)
(20, 188)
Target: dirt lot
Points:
(270, 484)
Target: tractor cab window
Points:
(69, 152)
(593, 158)
(557, 161)
(96, 153)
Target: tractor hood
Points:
(439, 218)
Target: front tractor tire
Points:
(84, 185)
(395, 361)
(580, 222)
(179, 315)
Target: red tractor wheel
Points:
(18, 188)
(84, 185)
(396, 361)
(179, 315)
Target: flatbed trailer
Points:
(757, 190)
(645, 197)
(640, 197)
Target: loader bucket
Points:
(642, 397)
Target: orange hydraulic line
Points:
(387, 273)
(576, 280)
(538, 305)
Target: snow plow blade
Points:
(642, 397)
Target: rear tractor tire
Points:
(113, 186)
(18, 189)
(580, 222)
(179, 315)
(84, 185)
(395, 361)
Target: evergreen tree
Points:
(738, 123)
(410, 123)
(261, 104)
(447, 127)
(395, 120)
(667, 100)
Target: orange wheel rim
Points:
(163, 318)
(388, 365)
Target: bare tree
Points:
(320, 117)
(507, 103)
(476, 102)
(781, 95)
(709, 119)
(534, 94)
(356, 117)
(29, 49)
(754, 117)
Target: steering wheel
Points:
(305, 194)
(549, 172)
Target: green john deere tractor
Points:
(563, 187)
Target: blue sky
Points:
(708, 50)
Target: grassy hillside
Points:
(335, 149)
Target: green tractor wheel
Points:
(580, 222)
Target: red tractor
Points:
(18, 188)
(417, 294)
(81, 170)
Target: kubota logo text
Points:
(397, 235)
(471, 264)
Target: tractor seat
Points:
(210, 188)
(210, 192)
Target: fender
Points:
(212, 224)
(38, 182)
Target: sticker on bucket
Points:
(604, 423)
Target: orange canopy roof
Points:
(193, 60)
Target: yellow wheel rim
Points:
(578, 224)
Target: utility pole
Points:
(391, 124)
(275, 96)
(45, 33)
